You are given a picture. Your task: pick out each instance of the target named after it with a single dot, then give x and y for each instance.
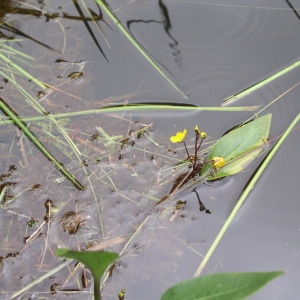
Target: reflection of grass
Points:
(133, 41)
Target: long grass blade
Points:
(244, 195)
(260, 84)
(136, 107)
(40, 279)
(20, 123)
(22, 71)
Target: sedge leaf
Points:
(96, 261)
(239, 147)
(221, 286)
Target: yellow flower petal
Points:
(218, 161)
(179, 137)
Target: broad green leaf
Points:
(239, 147)
(96, 261)
(221, 286)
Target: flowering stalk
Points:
(178, 138)
(217, 162)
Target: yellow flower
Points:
(200, 133)
(197, 130)
(179, 137)
(218, 161)
(203, 135)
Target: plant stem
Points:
(97, 293)
(187, 152)
(196, 151)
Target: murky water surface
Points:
(210, 50)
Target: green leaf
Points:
(239, 147)
(96, 261)
(221, 286)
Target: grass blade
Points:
(19, 122)
(40, 279)
(244, 196)
(260, 84)
(136, 107)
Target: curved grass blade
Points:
(19, 122)
(133, 41)
(244, 195)
(239, 147)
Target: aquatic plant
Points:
(96, 261)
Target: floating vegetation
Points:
(228, 156)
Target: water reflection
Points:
(293, 8)
(86, 23)
(13, 8)
(166, 21)
(10, 7)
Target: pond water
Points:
(210, 50)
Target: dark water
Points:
(211, 51)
